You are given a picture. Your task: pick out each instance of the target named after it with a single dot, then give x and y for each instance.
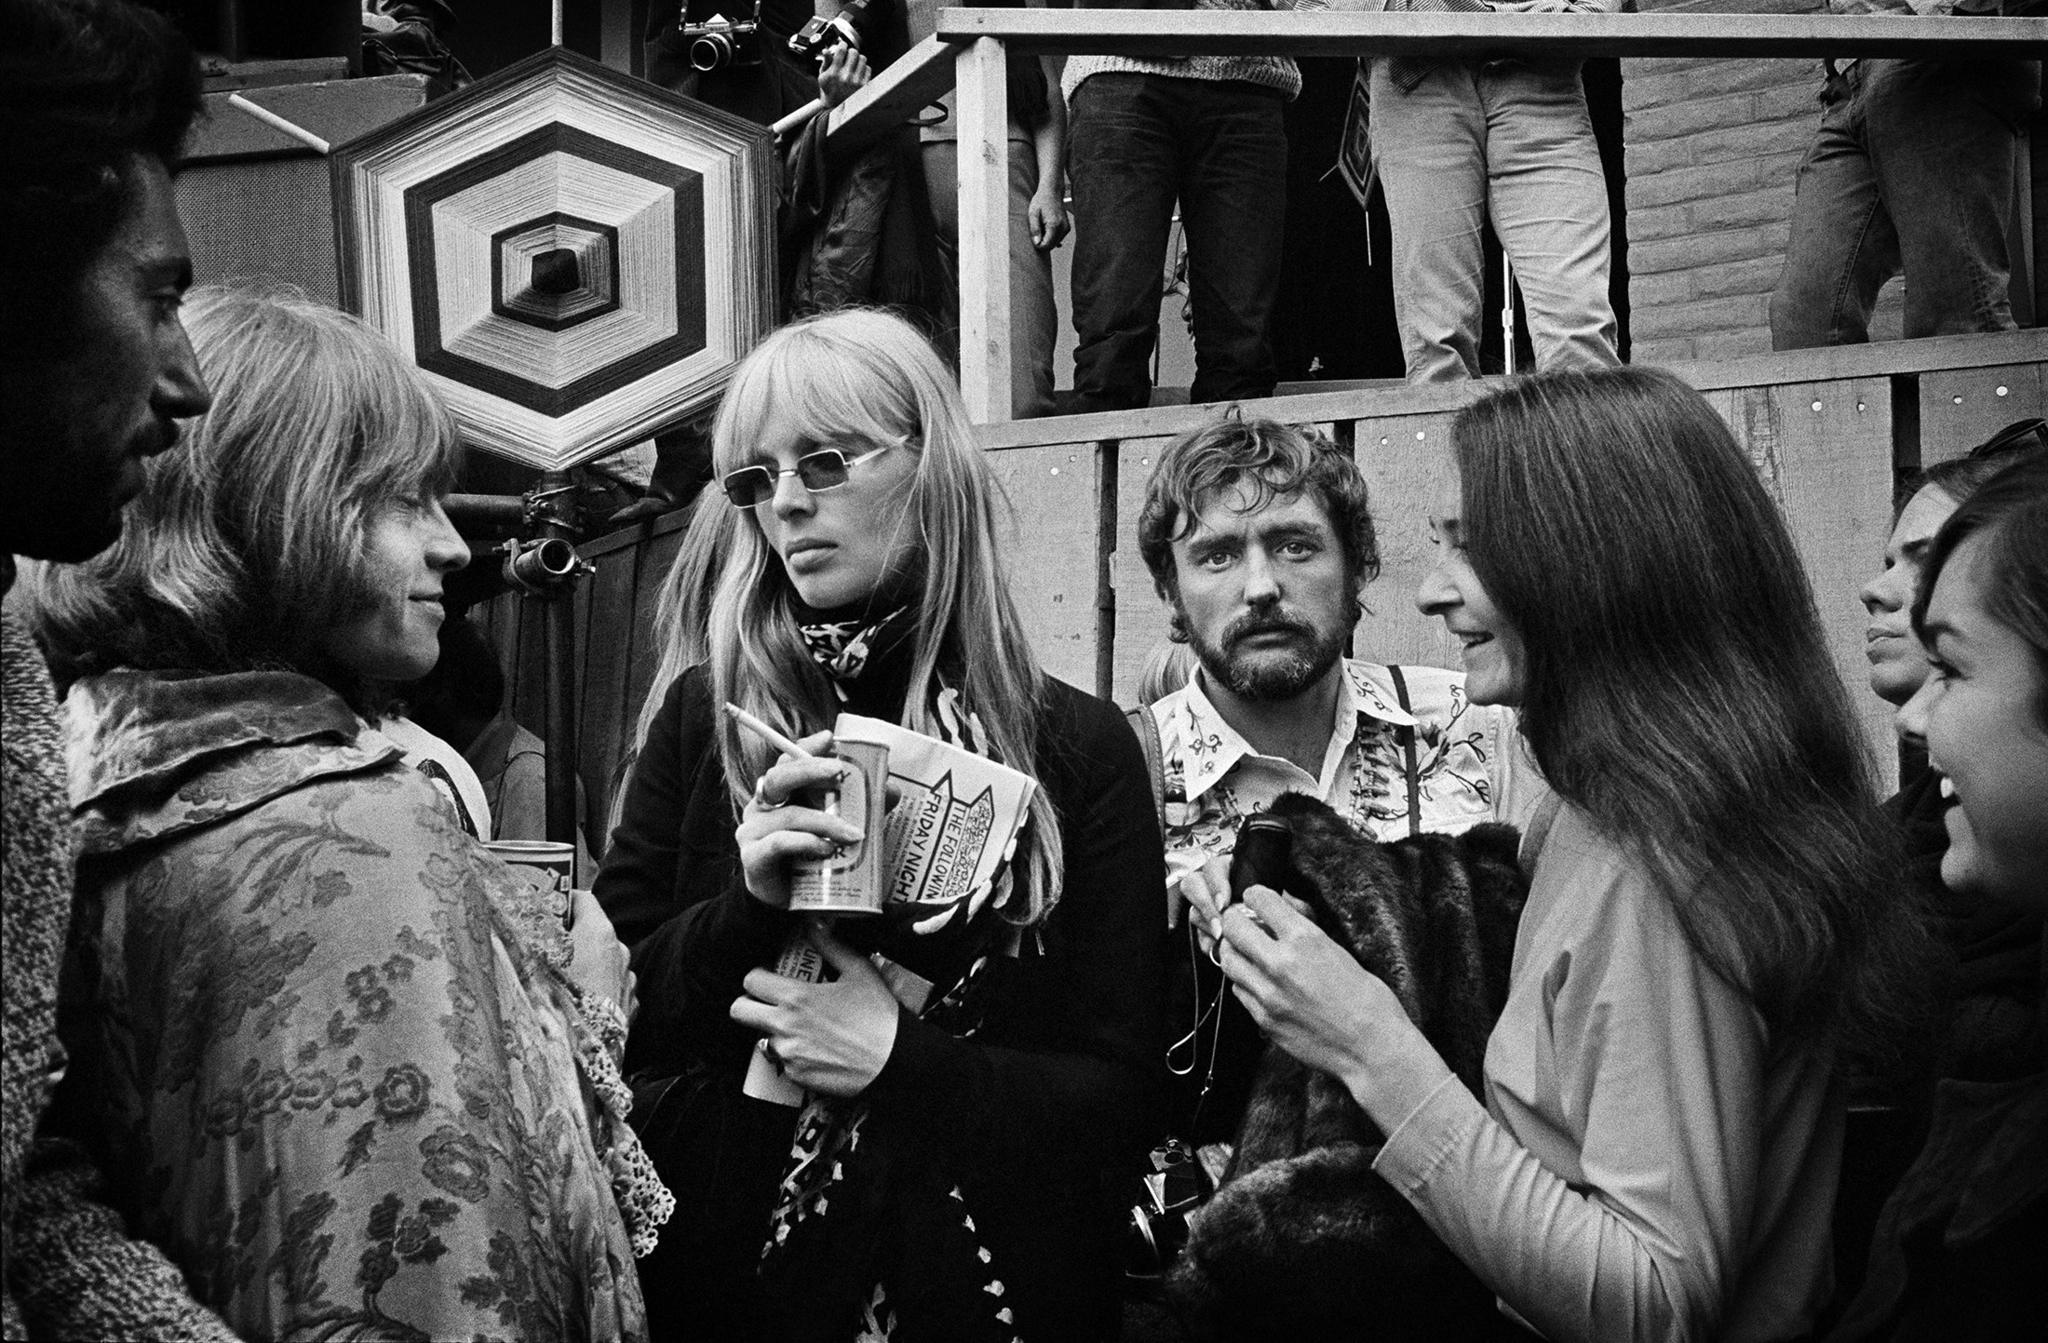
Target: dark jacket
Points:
(1995, 1033)
(861, 233)
(1058, 1087)
(1962, 1243)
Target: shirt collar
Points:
(1209, 747)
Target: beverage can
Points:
(850, 881)
(545, 865)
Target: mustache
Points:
(1253, 624)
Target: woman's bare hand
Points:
(597, 959)
(830, 1038)
(778, 830)
(1308, 994)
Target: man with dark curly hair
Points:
(95, 372)
(1259, 536)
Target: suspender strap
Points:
(1146, 728)
(1408, 754)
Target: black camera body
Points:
(1158, 1227)
(846, 28)
(719, 43)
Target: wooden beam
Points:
(918, 77)
(1829, 364)
(1125, 32)
(1876, 359)
(984, 109)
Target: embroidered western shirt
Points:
(1471, 764)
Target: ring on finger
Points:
(767, 1048)
(761, 797)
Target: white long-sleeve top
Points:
(1641, 1169)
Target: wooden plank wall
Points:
(1826, 431)
(1827, 434)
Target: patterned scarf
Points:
(871, 1243)
(843, 648)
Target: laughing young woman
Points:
(943, 1182)
(1994, 1027)
(1654, 1154)
(1960, 1246)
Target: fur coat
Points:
(1302, 1239)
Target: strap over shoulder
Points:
(1146, 729)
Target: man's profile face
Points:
(80, 414)
(1264, 592)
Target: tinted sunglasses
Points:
(825, 469)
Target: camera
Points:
(1157, 1228)
(845, 28)
(719, 42)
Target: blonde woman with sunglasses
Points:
(942, 1181)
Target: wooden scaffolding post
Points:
(984, 111)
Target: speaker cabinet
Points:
(257, 203)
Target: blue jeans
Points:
(1912, 169)
(1136, 143)
(1509, 141)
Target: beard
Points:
(1277, 674)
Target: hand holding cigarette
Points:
(776, 829)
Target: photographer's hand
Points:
(842, 72)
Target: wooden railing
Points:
(968, 49)
(1826, 428)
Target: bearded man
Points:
(1260, 537)
(95, 373)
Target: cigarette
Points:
(765, 732)
(273, 120)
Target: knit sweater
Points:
(1276, 72)
(71, 1271)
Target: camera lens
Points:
(712, 51)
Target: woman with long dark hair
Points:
(1960, 1245)
(1994, 1029)
(943, 1179)
(1712, 912)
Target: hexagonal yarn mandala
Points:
(577, 259)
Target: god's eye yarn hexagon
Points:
(577, 259)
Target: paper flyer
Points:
(954, 817)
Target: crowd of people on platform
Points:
(290, 1053)
(1912, 171)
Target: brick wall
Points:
(1713, 146)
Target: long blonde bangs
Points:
(866, 373)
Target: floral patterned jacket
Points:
(334, 1067)
(1471, 763)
